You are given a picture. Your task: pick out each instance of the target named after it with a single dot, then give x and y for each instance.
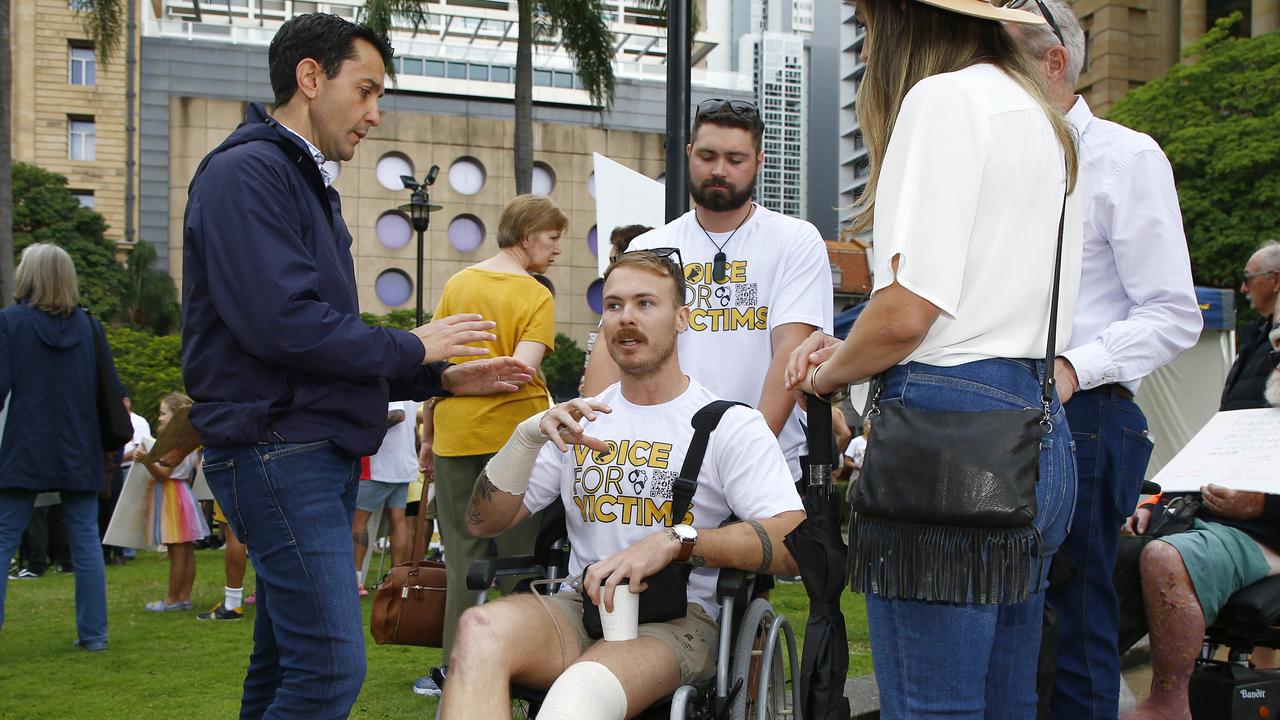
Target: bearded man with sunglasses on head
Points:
(1137, 311)
(759, 282)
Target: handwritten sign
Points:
(1238, 449)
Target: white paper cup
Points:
(624, 622)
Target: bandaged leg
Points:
(586, 691)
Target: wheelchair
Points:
(1229, 689)
(756, 655)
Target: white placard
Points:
(200, 487)
(1237, 449)
(132, 517)
(624, 197)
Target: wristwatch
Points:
(688, 537)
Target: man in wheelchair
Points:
(1187, 577)
(613, 461)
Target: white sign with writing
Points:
(1238, 449)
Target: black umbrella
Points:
(819, 550)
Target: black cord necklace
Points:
(720, 263)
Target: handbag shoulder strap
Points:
(704, 421)
(1046, 383)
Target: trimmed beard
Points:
(644, 368)
(1272, 393)
(716, 202)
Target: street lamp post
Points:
(419, 209)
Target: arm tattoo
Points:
(696, 561)
(480, 498)
(766, 547)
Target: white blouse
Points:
(969, 198)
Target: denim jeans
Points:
(1112, 450)
(293, 504)
(947, 660)
(80, 513)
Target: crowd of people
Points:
(1005, 217)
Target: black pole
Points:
(678, 35)
(418, 285)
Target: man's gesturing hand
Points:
(452, 336)
(560, 424)
(487, 377)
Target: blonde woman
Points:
(969, 168)
(469, 430)
(48, 378)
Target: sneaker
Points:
(251, 598)
(364, 591)
(425, 685)
(161, 606)
(219, 612)
(90, 645)
(25, 574)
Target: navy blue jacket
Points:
(48, 370)
(273, 348)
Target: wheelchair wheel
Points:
(758, 692)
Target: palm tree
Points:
(585, 35)
(103, 21)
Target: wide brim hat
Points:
(987, 11)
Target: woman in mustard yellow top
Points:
(469, 430)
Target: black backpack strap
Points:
(704, 421)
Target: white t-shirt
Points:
(614, 501)
(969, 198)
(141, 430)
(778, 273)
(397, 460)
(857, 449)
(186, 470)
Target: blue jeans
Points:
(292, 504)
(947, 660)
(80, 513)
(1112, 451)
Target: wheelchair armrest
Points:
(733, 582)
(482, 572)
(1255, 606)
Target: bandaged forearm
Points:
(510, 469)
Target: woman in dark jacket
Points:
(51, 440)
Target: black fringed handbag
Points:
(945, 505)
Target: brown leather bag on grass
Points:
(408, 607)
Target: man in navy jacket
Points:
(290, 387)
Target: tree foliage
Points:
(1218, 120)
(150, 367)
(563, 368)
(152, 298)
(398, 319)
(45, 211)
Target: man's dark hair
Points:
(621, 237)
(727, 117)
(327, 39)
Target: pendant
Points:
(720, 267)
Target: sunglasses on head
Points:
(741, 108)
(1044, 12)
(668, 254)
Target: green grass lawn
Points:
(173, 666)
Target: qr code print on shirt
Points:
(744, 294)
(660, 484)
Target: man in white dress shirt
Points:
(1137, 311)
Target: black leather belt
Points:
(1114, 390)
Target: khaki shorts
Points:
(692, 638)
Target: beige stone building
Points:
(70, 110)
(476, 180)
(1131, 42)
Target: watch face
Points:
(686, 533)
